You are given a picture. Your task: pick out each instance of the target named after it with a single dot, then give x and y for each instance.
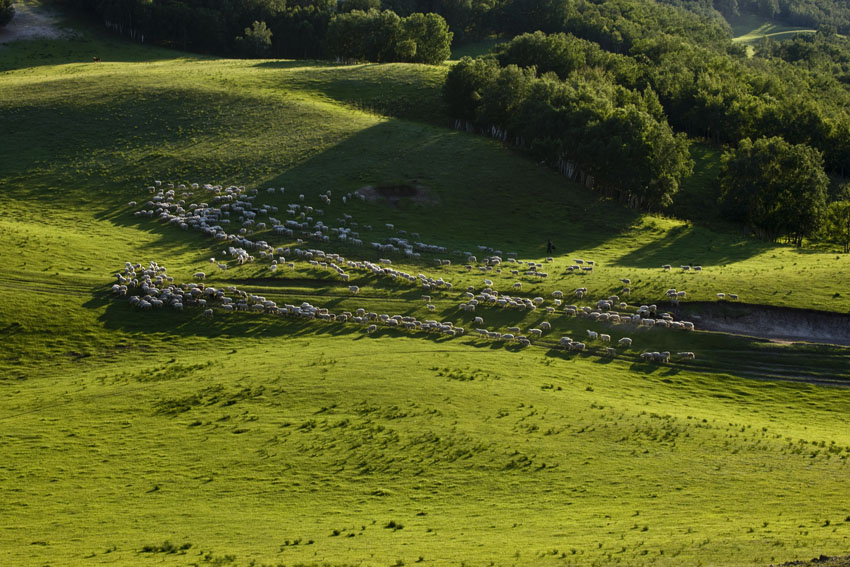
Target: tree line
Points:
(603, 134)
(279, 28)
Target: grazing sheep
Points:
(535, 332)
(478, 321)
(577, 346)
(199, 275)
(733, 296)
(625, 342)
(546, 326)
(610, 351)
(354, 289)
(592, 335)
(371, 329)
(208, 313)
(686, 355)
(605, 338)
(721, 296)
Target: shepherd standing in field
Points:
(549, 246)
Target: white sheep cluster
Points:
(683, 267)
(221, 206)
(655, 356)
(151, 283)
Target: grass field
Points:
(167, 438)
(749, 29)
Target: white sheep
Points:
(605, 338)
(354, 289)
(592, 335)
(199, 275)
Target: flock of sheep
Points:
(230, 216)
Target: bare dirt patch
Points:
(393, 193)
(779, 324)
(32, 21)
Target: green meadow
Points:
(749, 29)
(169, 438)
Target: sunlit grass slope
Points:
(750, 28)
(165, 438)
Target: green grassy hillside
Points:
(169, 438)
(749, 29)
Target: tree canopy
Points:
(384, 36)
(603, 134)
(777, 188)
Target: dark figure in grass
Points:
(549, 246)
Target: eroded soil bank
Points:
(768, 322)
